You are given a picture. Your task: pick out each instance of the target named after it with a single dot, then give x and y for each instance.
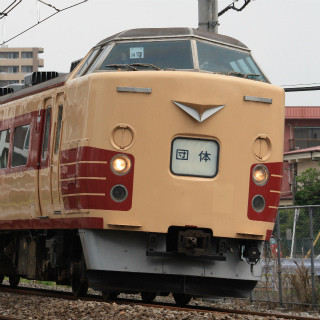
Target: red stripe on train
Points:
(57, 223)
(270, 192)
(86, 185)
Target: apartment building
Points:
(15, 63)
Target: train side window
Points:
(4, 148)
(21, 141)
(88, 62)
(58, 132)
(100, 57)
(46, 135)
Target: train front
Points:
(184, 136)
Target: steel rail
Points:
(169, 306)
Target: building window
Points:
(21, 141)
(9, 69)
(9, 55)
(4, 148)
(306, 137)
(26, 55)
(26, 69)
(4, 83)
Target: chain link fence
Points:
(291, 260)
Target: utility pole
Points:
(208, 15)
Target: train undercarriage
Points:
(186, 262)
(45, 255)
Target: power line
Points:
(295, 89)
(233, 7)
(39, 21)
(9, 8)
(49, 5)
(300, 84)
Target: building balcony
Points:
(12, 76)
(41, 63)
(296, 144)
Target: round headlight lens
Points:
(120, 164)
(119, 193)
(258, 203)
(260, 175)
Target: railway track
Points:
(132, 302)
(135, 302)
(167, 306)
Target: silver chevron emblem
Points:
(197, 111)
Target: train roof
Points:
(38, 81)
(152, 33)
(20, 90)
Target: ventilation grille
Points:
(39, 77)
(5, 90)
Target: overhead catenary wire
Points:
(9, 8)
(49, 5)
(296, 89)
(40, 20)
(15, 3)
(301, 84)
(233, 7)
(38, 10)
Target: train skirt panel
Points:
(136, 256)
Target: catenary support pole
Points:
(279, 259)
(296, 216)
(312, 260)
(208, 15)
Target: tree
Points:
(308, 187)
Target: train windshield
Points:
(223, 60)
(160, 54)
(173, 54)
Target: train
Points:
(154, 166)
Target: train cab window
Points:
(214, 58)
(4, 148)
(157, 54)
(88, 62)
(21, 140)
(46, 135)
(58, 131)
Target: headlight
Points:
(258, 203)
(260, 175)
(119, 193)
(120, 164)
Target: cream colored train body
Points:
(154, 166)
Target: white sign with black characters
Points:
(194, 157)
(137, 53)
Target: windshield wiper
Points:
(121, 66)
(144, 65)
(243, 75)
(253, 75)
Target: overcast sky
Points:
(282, 34)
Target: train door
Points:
(45, 195)
(55, 155)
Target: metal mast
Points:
(208, 15)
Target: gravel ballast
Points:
(37, 307)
